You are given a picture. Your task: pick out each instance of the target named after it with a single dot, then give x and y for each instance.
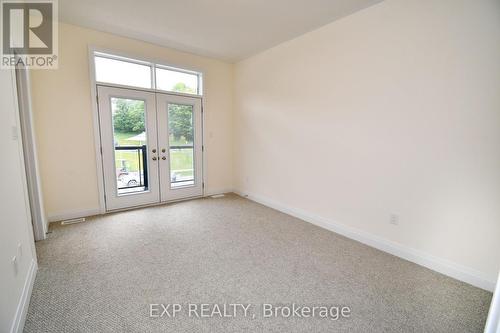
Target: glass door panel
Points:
(181, 145)
(128, 139)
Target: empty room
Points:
(250, 166)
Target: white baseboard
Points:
(209, 193)
(493, 321)
(73, 214)
(443, 266)
(22, 307)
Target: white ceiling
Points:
(229, 30)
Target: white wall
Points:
(15, 217)
(63, 117)
(394, 109)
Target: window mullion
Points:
(153, 76)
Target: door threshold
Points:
(152, 204)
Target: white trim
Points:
(203, 149)
(24, 301)
(20, 143)
(97, 134)
(73, 214)
(172, 93)
(37, 213)
(217, 191)
(493, 322)
(440, 265)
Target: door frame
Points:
(92, 49)
(38, 216)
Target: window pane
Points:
(170, 80)
(130, 141)
(181, 135)
(122, 72)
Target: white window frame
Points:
(152, 63)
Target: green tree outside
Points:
(129, 116)
(180, 122)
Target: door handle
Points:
(163, 150)
(164, 158)
(154, 158)
(154, 150)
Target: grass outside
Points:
(181, 160)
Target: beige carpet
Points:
(101, 275)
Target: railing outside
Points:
(143, 164)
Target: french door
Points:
(180, 142)
(151, 147)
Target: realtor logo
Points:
(29, 33)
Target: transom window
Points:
(123, 71)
